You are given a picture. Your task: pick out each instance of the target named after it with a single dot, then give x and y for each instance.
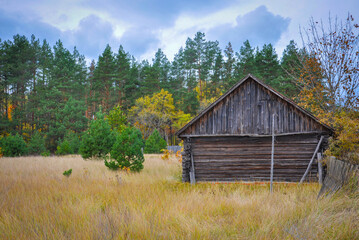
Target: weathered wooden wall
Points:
(231, 140)
(249, 158)
(248, 110)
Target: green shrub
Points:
(126, 152)
(155, 143)
(12, 146)
(70, 144)
(46, 153)
(64, 148)
(67, 173)
(98, 140)
(74, 142)
(117, 119)
(36, 144)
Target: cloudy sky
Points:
(143, 26)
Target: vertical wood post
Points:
(192, 175)
(272, 157)
(320, 168)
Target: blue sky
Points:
(143, 26)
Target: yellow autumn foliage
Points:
(346, 144)
(157, 112)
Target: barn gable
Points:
(247, 109)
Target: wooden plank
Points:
(320, 168)
(272, 157)
(248, 162)
(255, 145)
(311, 161)
(192, 174)
(241, 152)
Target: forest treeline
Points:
(51, 91)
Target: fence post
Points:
(320, 168)
(272, 157)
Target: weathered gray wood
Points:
(248, 158)
(338, 174)
(186, 160)
(248, 110)
(272, 157)
(311, 161)
(192, 172)
(320, 168)
(232, 138)
(248, 135)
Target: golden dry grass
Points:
(38, 202)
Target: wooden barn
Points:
(231, 140)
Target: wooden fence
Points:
(338, 173)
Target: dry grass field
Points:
(38, 202)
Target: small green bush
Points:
(69, 145)
(74, 142)
(46, 153)
(13, 146)
(98, 140)
(126, 152)
(64, 148)
(117, 119)
(155, 143)
(36, 144)
(67, 173)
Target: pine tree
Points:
(216, 85)
(18, 70)
(36, 144)
(162, 67)
(246, 62)
(123, 67)
(80, 74)
(291, 69)
(105, 77)
(90, 97)
(98, 140)
(149, 75)
(267, 64)
(228, 78)
(155, 143)
(131, 88)
(126, 152)
(4, 91)
(177, 81)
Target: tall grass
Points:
(38, 202)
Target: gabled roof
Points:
(237, 85)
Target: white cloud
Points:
(172, 38)
(66, 16)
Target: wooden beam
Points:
(192, 174)
(311, 161)
(320, 168)
(272, 157)
(247, 135)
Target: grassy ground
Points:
(38, 202)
